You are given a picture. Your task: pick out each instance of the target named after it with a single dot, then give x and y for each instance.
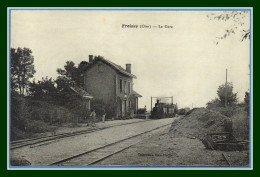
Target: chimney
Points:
(128, 68)
(90, 58)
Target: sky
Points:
(183, 61)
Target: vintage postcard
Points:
(130, 88)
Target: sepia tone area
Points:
(130, 88)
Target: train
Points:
(163, 110)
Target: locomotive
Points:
(163, 110)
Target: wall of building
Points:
(104, 85)
(124, 79)
(101, 82)
(124, 97)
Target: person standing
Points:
(92, 118)
(103, 115)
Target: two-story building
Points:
(112, 84)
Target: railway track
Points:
(99, 154)
(48, 139)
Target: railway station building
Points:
(113, 85)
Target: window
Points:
(125, 87)
(121, 85)
(129, 87)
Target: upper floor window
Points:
(121, 85)
(125, 86)
(129, 87)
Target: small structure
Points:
(83, 94)
(113, 85)
(83, 97)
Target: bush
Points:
(19, 111)
(227, 90)
(247, 102)
(17, 134)
(37, 126)
(214, 103)
(99, 105)
(228, 111)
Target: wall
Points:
(124, 78)
(101, 84)
(104, 85)
(122, 94)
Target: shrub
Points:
(37, 126)
(247, 101)
(111, 111)
(214, 103)
(227, 90)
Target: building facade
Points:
(112, 84)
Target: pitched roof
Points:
(136, 94)
(81, 92)
(114, 66)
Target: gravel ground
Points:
(166, 150)
(83, 126)
(70, 146)
(181, 145)
(167, 147)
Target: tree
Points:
(238, 21)
(43, 89)
(71, 74)
(227, 90)
(247, 101)
(22, 69)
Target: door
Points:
(125, 107)
(123, 110)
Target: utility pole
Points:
(151, 103)
(226, 90)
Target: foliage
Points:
(22, 69)
(99, 106)
(238, 21)
(43, 89)
(19, 111)
(228, 111)
(241, 124)
(246, 99)
(227, 90)
(247, 102)
(214, 103)
(72, 75)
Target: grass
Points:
(240, 120)
(29, 117)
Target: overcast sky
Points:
(183, 62)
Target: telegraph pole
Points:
(151, 103)
(226, 90)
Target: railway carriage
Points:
(163, 110)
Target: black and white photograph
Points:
(130, 88)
